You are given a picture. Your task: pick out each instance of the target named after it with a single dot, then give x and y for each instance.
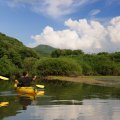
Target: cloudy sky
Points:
(90, 25)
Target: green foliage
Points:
(115, 56)
(106, 68)
(103, 53)
(86, 69)
(103, 65)
(29, 64)
(97, 64)
(15, 58)
(77, 52)
(66, 52)
(7, 68)
(27, 52)
(57, 66)
(56, 53)
(12, 55)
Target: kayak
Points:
(31, 96)
(29, 91)
(26, 90)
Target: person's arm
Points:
(16, 82)
(34, 77)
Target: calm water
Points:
(62, 101)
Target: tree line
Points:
(102, 63)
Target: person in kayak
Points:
(25, 80)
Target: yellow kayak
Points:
(30, 92)
(26, 90)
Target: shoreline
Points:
(108, 81)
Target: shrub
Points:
(86, 69)
(29, 63)
(57, 66)
(7, 68)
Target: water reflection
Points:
(24, 101)
(66, 102)
(63, 102)
(90, 110)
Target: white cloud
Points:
(114, 30)
(90, 36)
(94, 12)
(53, 8)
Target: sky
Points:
(89, 25)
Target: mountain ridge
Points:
(44, 49)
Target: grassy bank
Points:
(93, 80)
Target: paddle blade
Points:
(4, 78)
(40, 86)
(2, 104)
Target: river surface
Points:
(61, 101)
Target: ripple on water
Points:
(8, 93)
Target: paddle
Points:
(37, 85)
(4, 78)
(40, 86)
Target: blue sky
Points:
(70, 24)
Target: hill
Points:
(12, 54)
(44, 50)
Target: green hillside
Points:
(44, 49)
(12, 55)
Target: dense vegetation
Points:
(12, 55)
(55, 66)
(92, 64)
(15, 57)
